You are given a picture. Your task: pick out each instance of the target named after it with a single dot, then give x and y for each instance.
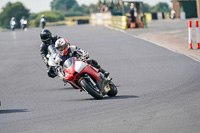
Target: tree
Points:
(76, 10)
(161, 7)
(90, 9)
(16, 10)
(147, 7)
(51, 16)
(63, 5)
(82, 10)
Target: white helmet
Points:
(62, 46)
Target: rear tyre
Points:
(91, 90)
(113, 90)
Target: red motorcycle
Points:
(87, 78)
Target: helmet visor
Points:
(47, 41)
(45, 37)
(61, 48)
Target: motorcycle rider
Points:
(66, 51)
(47, 39)
(12, 19)
(172, 14)
(13, 23)
(43, 21)
(23, 22)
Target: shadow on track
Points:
(13, 111)
(116, 97)
(121, 97)
(105, 98)
(63, 89)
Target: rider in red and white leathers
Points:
(66, 51)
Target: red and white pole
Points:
(197, 34)
(190, 34)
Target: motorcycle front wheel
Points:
(90, 89)
(113, 90)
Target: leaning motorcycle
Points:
(88, 79)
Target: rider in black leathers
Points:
(47, 39)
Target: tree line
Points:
(59, 10)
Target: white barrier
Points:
(101, 18)
(190, 34)
(197, 34)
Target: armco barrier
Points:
(160, 16)
(155, 16)
(166, 15)
(82, 21)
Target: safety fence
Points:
(121, 22)
(156, 16)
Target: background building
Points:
(189, 7)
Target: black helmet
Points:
(45, 36)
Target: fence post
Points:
(197, 34)
(190, 34)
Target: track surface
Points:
(159, 91)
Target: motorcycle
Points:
(81, 75)
(87, 78)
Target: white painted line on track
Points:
(14, 35)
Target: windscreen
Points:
(51, 49)
(68, 63)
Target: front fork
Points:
(87, 77)
(90, 80)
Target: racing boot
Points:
(106, 74)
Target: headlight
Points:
(53, 63)
(66, 75)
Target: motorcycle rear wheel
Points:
(113, 90)
(90, 89)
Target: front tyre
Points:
(90, 89)
(113, 90)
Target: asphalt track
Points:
(159, 90)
